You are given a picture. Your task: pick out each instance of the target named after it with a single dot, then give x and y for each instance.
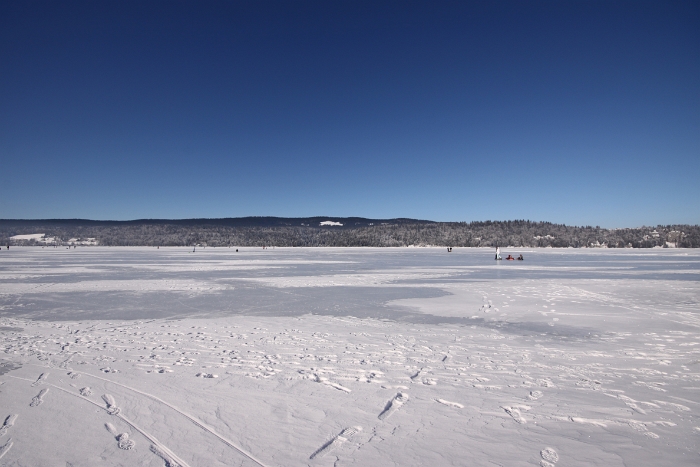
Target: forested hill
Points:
(339, 231)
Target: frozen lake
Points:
(349, 356)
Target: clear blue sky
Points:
(577, 112)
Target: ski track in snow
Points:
(177, 461)
(189, 417)
(5, 447)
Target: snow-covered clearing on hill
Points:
(28, 237)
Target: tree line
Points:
(378, 233)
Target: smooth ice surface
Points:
(285, 357)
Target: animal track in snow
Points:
(450, 404)
(86, 391)
(393, 405)
(112, 408)
(39, 398)
(5, 447)
(337, 441)
(42, 377)
(9, 421)
(534, 395)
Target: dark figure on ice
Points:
(520, 258)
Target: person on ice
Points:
(498, 253)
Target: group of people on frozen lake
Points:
(509, 257)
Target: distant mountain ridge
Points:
(250, 221)
(319, 231)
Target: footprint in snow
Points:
(9, 421)
(393, 405)
(336, 442)
(549, 457)
(123, 441)
(42, 377)
(112, 408)
(39, 398)
(514, 412)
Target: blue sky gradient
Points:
(576, 112)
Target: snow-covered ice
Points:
(332, 357)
